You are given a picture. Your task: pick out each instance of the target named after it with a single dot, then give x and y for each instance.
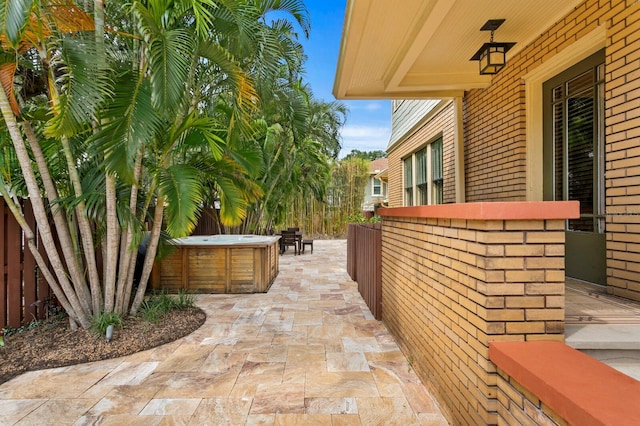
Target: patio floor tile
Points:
(307, 352)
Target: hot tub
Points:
(219, 264)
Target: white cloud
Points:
(364, 132)
(367, 106)
(364, 138)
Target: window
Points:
(436, 171)
(376, 187)
(422, 179)
(424, 176)
(408, 181)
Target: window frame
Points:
(374, 186)
(407, 165)
(437, 171)
(423, 174)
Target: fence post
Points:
(352, 244)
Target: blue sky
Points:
(369, 122)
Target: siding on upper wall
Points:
(367, 191)
(441, 122)
(407, 116)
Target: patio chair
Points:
(287, 239)
(307, 243)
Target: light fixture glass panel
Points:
(492, 60)
(484, 61)
(497, 56)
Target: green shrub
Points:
(150, 311)
(100, 322)
(159, 304)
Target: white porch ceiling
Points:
(407, 49)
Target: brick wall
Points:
(450, 286)
(516, 405)
(544, 383)
(441, 124)
(623, 151)
(495, 142)
(495, 131)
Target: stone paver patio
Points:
(308, 352)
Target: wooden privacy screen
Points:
(23, 294)
(364, 263)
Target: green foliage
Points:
(13, 15)
(100, 322)
(8, 331)
(185, 300)
(365, 155)
(375, 219)
(150, 312)
(157, 305)
(181, 184)
(358, 217)
(180, 103)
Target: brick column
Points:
(456, 277)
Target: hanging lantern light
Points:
(492, 56)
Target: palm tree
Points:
(128, 132)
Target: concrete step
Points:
(617, 345)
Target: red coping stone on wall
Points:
(512, 210)
(580, 389)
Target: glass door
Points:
(574, 162)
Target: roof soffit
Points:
(423, 49)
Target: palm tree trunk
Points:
(77, 311)
(74, 263)
(152, 248)
(86, 234)
(112, 226)
(127, 253)
(111, 247)
(30, 238)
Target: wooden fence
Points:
(24, 296)
(364, 263)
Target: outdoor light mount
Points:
(492, 55)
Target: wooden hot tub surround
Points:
(219, 264)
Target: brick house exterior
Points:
(489, 266)
(499, 164)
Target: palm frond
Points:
(203, 16)
(296, 8)
(84, 87)
(194, 131)
(131, 121)
(250, 158)
(235, 76)
(169, 63)
(181, 186)
(7, 73)
(23, 32)
(233, 204)
(236, 22)
(14, 15)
